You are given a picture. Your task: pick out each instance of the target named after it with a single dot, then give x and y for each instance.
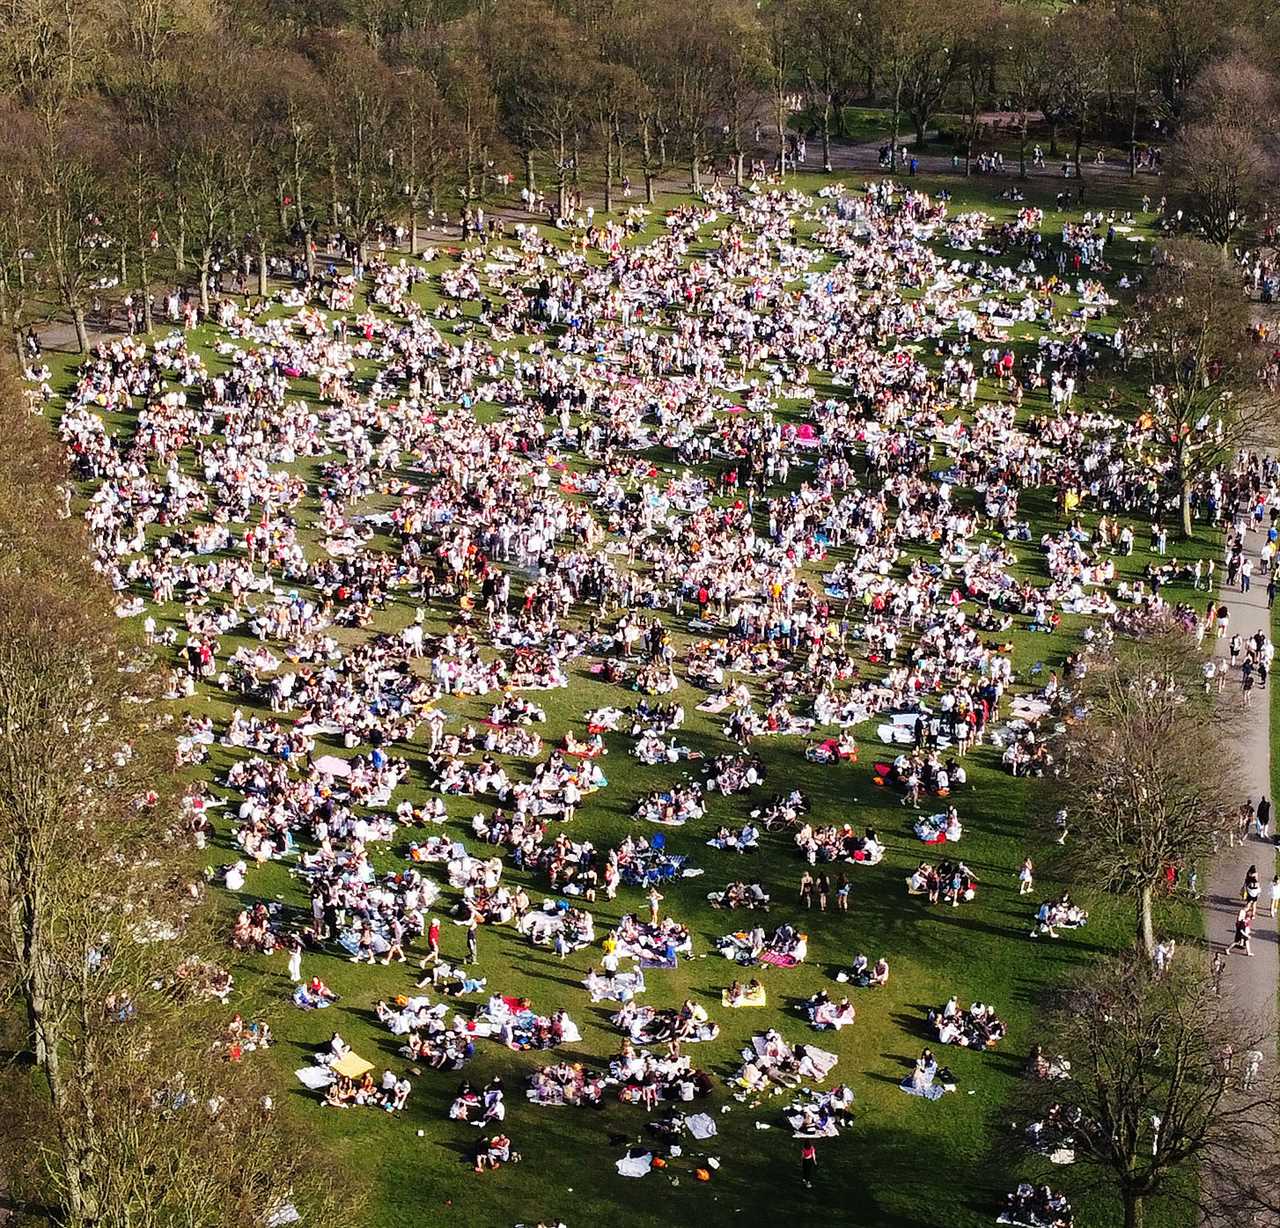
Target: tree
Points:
(1084, 56)
(1027, 65)
(426, 147)
(1185, 34)
(1137, 796)
(73, 202)
(825, 39)
(932, 59)
(543, 72)
(468, 90)
(1130, 34)
(618, 96)
(643, 48)
(1227, 153)
(1206, 401)
(1150, 1084)
(139, 203)
(693, 77)
(753, 55)
(977, 57)
(359, 134)
(102, 934)
(21, 263)
(901, 34)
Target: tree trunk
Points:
(1133, 139)
(19, 349)
(144, 288)
(1076, 154)
(1146, 923)
(47, 1044)
(739, 178)
(608, 175)
(648, 188)
(897, 125)
(204, 285)
(1053, 138)
(695, 168)
(1184, 505)
(1022, 147)
(262, 270)
(528, 171)
(1133, 1210)
(826, 139)
(82, 335)
(413, 224)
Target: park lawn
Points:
(906, 1162)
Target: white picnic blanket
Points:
(313, 1078)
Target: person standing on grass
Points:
(808, 1164)
(655, 905)
(433, 939)
(1026, 877)
(806, 889)
(842, 893)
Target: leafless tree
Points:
(1147, 1080)
(1133, 781)
(1205, 399)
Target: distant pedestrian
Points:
(1244, 931)
(808, 1164)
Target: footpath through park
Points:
(1250, 983)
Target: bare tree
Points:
(825, 47)
(1227, 152)
(977, 58)
(1148, 1085)
(359, 134)
(1133, 781)
(1205, 399)
(1026, 62)
(21, 258)
(104, 938)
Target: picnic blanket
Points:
(753, 997)
(778, 959)
(314, 1078)
(621, 987)
(635, 1165)
(700, 1125)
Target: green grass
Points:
(906, 1163)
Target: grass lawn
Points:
(907, 1163)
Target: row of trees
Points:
(1154, 1084)
(142, 139)
(119, 1109)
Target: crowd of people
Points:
(840, 540)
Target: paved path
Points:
(1251, 983)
